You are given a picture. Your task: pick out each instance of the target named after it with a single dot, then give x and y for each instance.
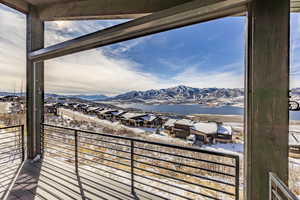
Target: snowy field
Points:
(4, 107)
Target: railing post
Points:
(237, 178)
(22, 141)
(132, 165)
(270, 186)
(76, 148)
(42, 135)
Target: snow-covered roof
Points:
(185, 122)
(170, 122)
(118, 112)
(225, 130)
(149, 117)
(294, 139)
(207, 128)
(133, 115)
(107, 111)
(92, 108)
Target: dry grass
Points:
(105, 154)
(294, 178)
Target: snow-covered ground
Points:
(232, 148)
(4, 107)
(235, 148)
(70, 114)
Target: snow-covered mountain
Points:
(179, 93)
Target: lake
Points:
(187, 109)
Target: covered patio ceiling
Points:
(50, 10)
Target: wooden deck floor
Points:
(52, 179)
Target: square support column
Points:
(35, 83)
(267, 86)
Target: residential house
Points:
(133, 119)
(224, 133)
(51, 108)
(182, 128)
(168, 126)
(205, 132)
(152, 121)
(106, 114)
(117, 115)
(92, 110)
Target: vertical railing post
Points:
(76, 146)
(22, 141)
(132, 165)
(42, 135)
(237, 178)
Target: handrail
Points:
(277, 188)
(173, 168)
(14, 126)
(151, 142)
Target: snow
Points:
(208, 128)
(118, 112)
(133, 115)
(92, 108)
(70, 114)
(185, 122)
(170, 122)
(108, 111)
(5, 107)
(231, 148)
(149, 117)
(166, 138)
(225, 130)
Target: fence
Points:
(12, 154)
(166, 170)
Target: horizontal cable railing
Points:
(11, 155)
(165, 170)
(278, 190)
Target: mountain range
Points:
(179, 93)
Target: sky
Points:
(209, 54)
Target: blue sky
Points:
(210, 54)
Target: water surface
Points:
(187, 109)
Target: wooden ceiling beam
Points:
(19, 5)
(104, 9)
(179, 16)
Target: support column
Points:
(35, 83)
(267, 84)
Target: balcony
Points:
(78, 164)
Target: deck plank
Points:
(56, 180)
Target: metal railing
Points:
(166, 170)
(278, 190)
(12, 154)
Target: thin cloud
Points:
(12, 51)
(103, 70)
